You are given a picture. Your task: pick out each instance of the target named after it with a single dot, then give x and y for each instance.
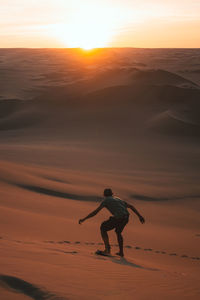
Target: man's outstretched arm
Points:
(142, 220)
(92, 214)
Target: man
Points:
(120, 218)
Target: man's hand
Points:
(142, 220)
(81, 221)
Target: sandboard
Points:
(102, 253)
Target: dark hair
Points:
(108, 192)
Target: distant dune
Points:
(134, 76)
(145, 98)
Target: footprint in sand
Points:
(64, 242)
(90, 243)
(127, 246)
(70, 252)
(161, 252)
(29, 243)
(51, 242)
(115, 245)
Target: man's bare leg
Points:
(105, 238)
(120, 242)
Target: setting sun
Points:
(85, 34)
(88, 27)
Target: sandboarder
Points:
(118, 208)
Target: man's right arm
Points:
(93, 213)
(142, 220)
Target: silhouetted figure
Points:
(118, 208)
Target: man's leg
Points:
(120, 242)
(105, 238)
(106, 226)
(119, 228)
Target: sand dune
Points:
(134, 76)
(167, 110)
(173, 123)
(72, 124)
(27, 72)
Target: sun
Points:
(86, 48)
(90, 27)
(88, 34)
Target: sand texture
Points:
(73, 123)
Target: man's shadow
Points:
(125, 262)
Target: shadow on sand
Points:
(20, 286)
(49, 192)
(125, 262)
(148, 198)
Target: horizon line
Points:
(98, 48)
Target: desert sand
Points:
(73, 123)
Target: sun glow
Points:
(89, 27)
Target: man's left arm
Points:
(142, 220)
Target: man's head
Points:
(108, 193)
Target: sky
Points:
(100, 23)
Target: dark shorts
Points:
(116, 223)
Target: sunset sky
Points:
(100, 23)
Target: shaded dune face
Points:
(175, 123)
(148, 101)
(18, 114)
(162, 77)
(18, 285)
(135, 76)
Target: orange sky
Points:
(105, 23)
